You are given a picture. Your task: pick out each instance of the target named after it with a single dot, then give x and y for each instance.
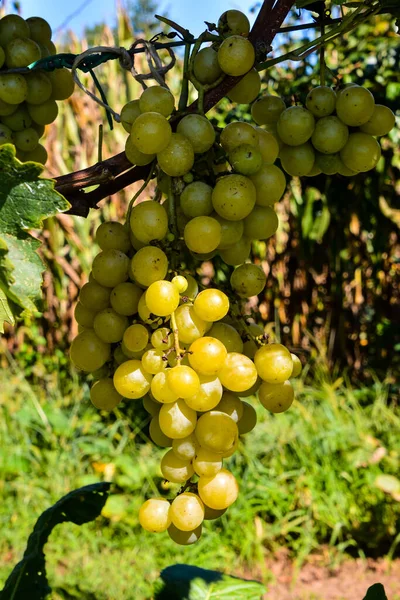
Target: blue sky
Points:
(188, 13)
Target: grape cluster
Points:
(334, 133)
(28, 100)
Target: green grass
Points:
(307, 477)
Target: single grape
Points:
(13, 88)
(135, 156)
(177, 157)
(238, 133)
(103, 394)
(162, 298)
(246, 159)
(157, 436)
(6, 136)
(84, 316)
(234, 197)
(269, 146)
(161, 390)
(149, 221)
(175, 469)
(267, 109)
(361, 152)
(321, 101)
(131, 380)
(232, 406)
(12, 27)
(231, 231)
(343, 170)
(110, 267)
(276, 397)
(151, 406)
(125, 298)
(295, 125)
(274, 363)
(210, 514)
(355, 105)
(129, 114)
(26, 140)
(19, 120)
(207, 355)
(183, 381)
(109, 325)
(247, 89)
(216, 431)
(248, 420)
(327, 163)
(211, 305)
(202, 234)
(184, 538)
(39, 29)
(39, 88)
(261, 223)
(187, 511)
(88, 352)
(195, 199)
(181, 283)
(153, 361)
(380, 122)
(207, 463)
(190, 325)
(63, 84)
(185, 448)
(43, 113)
(248, 280)
(238, 373)
(94, 296)
(151, 132)
(7, 109)
(228, 335)
(157, 99)
(237, 253)
(177, 419)
(21, 52)
(208, 396)
(220, 491)
(233, 22)
(297, 366)
(162, 339)
(330, 135)
(236, 55)
(297, 160)
(136, 337)
(148, 265)
(192, 289)
(38, 155)
(154, 515)
(206, 68)
(199, 131)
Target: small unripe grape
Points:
(184, 538)
(236, 55)
(361, 152)
(153, 361)
(135, 156)
(149, 221)
(248, 420)
(154, 515)
(234, 197)
(274, 363)
(162, 339)
(88, 352)
(13, 88)
(381, 121)
(269, 146)
(202, 234)
(131, 380)
(94, 296)
(246, 159)
(103, 394)
(175, 469)
(248, 280)
(136, 337)
(183, 381)
(267, 109)
(109, 325)
(297, 366)
(177, 419)
(207, 355)
(295, 125)
(238, 133)
(209, 394)
(180, 282)
(110, 267)
(151, 132)
(233, 22)
(297, 160)
(247, 89)
(211, 305)
(157, 99)
(237, 253)
(150, 406)
(125, 298)
(228, 335)
(330, 135)
(161, 390)
(44, 113)
(321, 101)
(206, 68)
(129, 114)
(220, 491)
(238, 373)
(231, 405)
(355, 105)
(199, 131)
(177, 157)
(276, 397)
(148, 265)
(185, 448)
(190, 325)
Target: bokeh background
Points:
(320, 484)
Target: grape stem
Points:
(140, 190)
(176, 339)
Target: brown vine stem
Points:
(114, 174)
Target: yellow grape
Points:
(231, 231)
(248, 280)
(84, 316)
(177, 419)
(207, 355)
(380, 122)
(151, 132)
(269, 146)
(199, 131)
(157, 99)
(153, 361)
(236, 55)
(161, 390)
(187, 511)
(154, 515)
(297, 366)
(207, 463)
(134, 155)
(321, 101)
(233, 197)
(184, 538)
(190, 325)
(216, 431)
(231, 405)
(162, 298)
(238, 133)
(131, 380)
(211, 305)
(228, 335)
(156, 435)
(234, 22)
(177, 157)
(355, 105)
(113, 235)
(273, 363)
(220, 491)
(150, 406)
(162, 339)
(195, 200)
(180, 282)
(175, 469)
(208, 396)
(183, 381)
(103, 394)
(238, 373)
(148, 265)
(267, 109)
(276, 397)
(136, 337)
(185, 448)
(237, 253)
(248, 420)
(149, 221)
(295, 125)
(129, 113)
(202, 234)
(205, 66)
(247, 89)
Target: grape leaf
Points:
(25, 200)
(28, 578)
(375, 592)
(186, 582)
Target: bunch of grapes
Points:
(28, 99)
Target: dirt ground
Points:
(315, 581)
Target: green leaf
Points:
(375, 592)
(186, 582)
(25, 201)
(28, 579)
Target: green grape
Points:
(236, 55)
(355, 105)
(40, 129)
(26, 140)
(131, 380)
(192, 289)
(88, 352)
(199, 131)
(39, 29)
(321, 101)
(136, 337)
(206, 68)
(6, 136)
(190, 325)
(39, 87)
(151, 133)
(207, 463)
(327, 163)
(232, 406)
(231, 231)
(6, 109)
(248, 280)
(211, 305)
(110, 267)
(180, 282)
(162, 298)
(207, 355)
(161, 390)
(267, 109)
(38, 155)
(273, 363)
(148, 265)
(380, 122)
(21, 52)
(216, 431)
(103, 394)
(233, 22)
(153, 361)
(246, 159)
(129, 114)
(361, 153)
(84, 316)
(236, 134)
(109, 325)
(44, 51)
(208, 396)
(157, 436)
(276, 397)
(12, 27)
(185, 448)
(330, 135)
(297, 160)
(44, 113)
(51, 47)
(135, 156)
(195, 199)
(183, 381)
(113, 235)
(295, 125)
(261, 223)
(238, 253)
(184, 538)
(63, 84)
(125, 298)
(238, 373)
(234, 197)
(187, 511)
(2, 57)
(119, 355)
(248, 420)
(177, 157)
(162, 339)
(297, 366)
(144, 313)
(13, 88)
(210, 514)
(273, 130)
(202, 234)
(228, 335)
(149, 221)
(247, 89)
(219, 491)
(269, 146)
(154, 515)
(343, 170)
(151, 406)
(19, 120)
(175, 469)
(315, 170)
(177, 419)
(157, 99)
